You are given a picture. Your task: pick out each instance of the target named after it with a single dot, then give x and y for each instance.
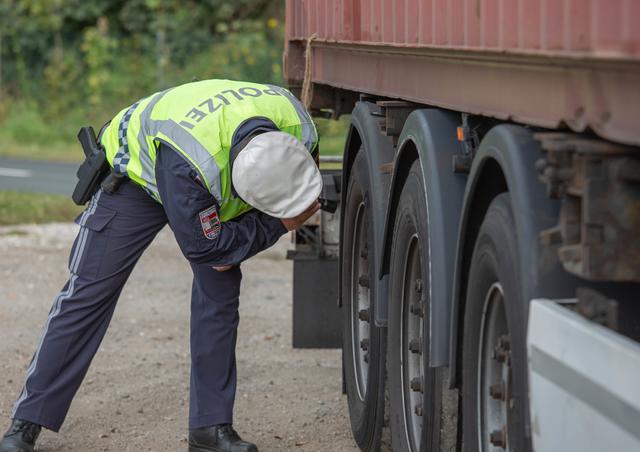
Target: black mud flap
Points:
(317, 319)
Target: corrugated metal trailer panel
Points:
(603, 28)
(543, 62)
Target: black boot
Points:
(218, 438)
(21, 437)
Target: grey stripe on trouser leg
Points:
(115, 230)
(76, 250)
(214, 326)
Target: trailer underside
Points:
(577, 92)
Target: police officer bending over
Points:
(229, 165)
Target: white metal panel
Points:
(584, 383)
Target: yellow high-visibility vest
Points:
(199, 120)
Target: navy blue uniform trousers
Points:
(115, 229)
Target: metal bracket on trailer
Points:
(599, 185)
(394, 114)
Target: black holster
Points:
(93, 169)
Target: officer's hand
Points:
(296, 222)
(223, 268)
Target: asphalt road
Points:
(37, 177)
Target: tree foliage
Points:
(87, 58)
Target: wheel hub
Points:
(495, 400)
(412, 327)
(361, 311)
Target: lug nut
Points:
(363, 315)
(364, 344)
(497, 391)
(418, 410)
(498, 438)
(415, 346)
(363, 280)
(418, 285)
(416, 384)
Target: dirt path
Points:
(135, 396)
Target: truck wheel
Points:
(363, 345)
(494, 355)
(414, 387)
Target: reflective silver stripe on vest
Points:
(307, 129)
(148, 172)
(187, 143)
(205, 162)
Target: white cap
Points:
(276, 174)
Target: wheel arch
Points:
(364, 132)
(505, 162)
(429, 135)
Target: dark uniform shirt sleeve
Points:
(184, 197)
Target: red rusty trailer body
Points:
(548, 63)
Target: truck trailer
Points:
(483, 267)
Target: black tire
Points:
(409, 316)
(365, 395)
(494, 339)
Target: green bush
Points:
(102, 55)
(332, 135)
(28, 124)
(18, 208)
(25, 124)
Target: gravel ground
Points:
(135, 396)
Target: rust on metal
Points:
(598, 184)
(553, 64)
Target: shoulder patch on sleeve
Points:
(210, 222)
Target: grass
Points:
(70, 153)
(332, 137)
(26, 134)
(19, 208)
